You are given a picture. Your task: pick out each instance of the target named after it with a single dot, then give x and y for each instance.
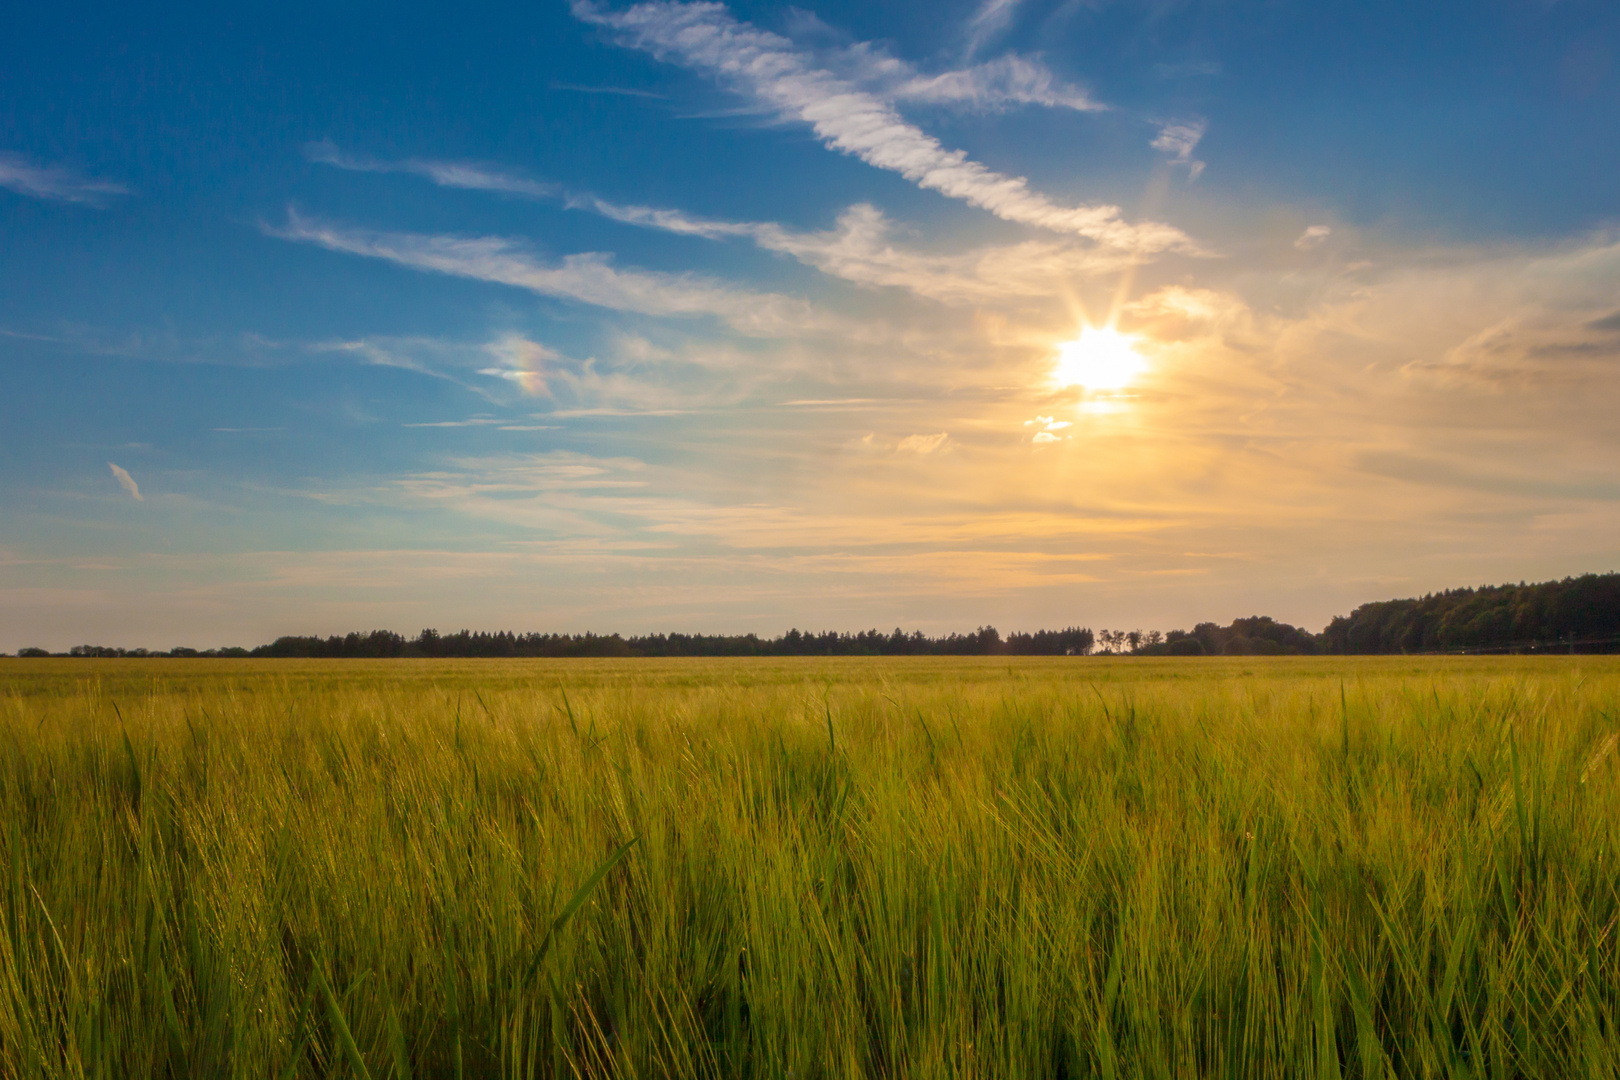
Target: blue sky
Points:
(736, 317)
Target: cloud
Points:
(522, 361)
(475, 177)
(1006, 82)
(993, 86)
(1359, 429)
(674, 221)
(126, 481)
(406, 354)
(629, 376)
(1529, 348)
(1312, 237)
(475, 421)
(989, 22)
(619, 91)
(19, 174)
(859, 250)
(1049, 426)
(1526, 321)
(922, 444)
(452, 174)
(1180, 140)
(781, 80)
(588, 278)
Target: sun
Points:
(1099, 359)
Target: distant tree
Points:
(32, 652)
(1574, 614)
(1257, 635)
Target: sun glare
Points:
(1099, 359)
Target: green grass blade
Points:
(582, 894)
(340, 1027)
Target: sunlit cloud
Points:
(863, 249)
(588, 278)
(126, 481)
(1048, 429)
(779, 78)
(922, 444)
(55, 182)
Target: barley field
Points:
(1311, 868)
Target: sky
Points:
(740, 317)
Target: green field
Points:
(903, 868)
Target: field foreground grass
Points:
(835, 868)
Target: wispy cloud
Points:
(649, 217)
(588, 278)
(989, 22)
(618, 91)
(24, 177)
(860, 250)
(452, 174)
(782, 80)
(126, 481)
(995, 85)
(1179, 140)
(476, 421)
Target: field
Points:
(902, 868)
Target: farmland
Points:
(991, 867)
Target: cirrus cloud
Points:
(55, 182)
(784, 81)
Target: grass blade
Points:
(582, 894)
(341, 1027)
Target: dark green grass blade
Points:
(580, 896)
(341, 1027)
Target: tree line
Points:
(386, 644)
(1577, 614)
